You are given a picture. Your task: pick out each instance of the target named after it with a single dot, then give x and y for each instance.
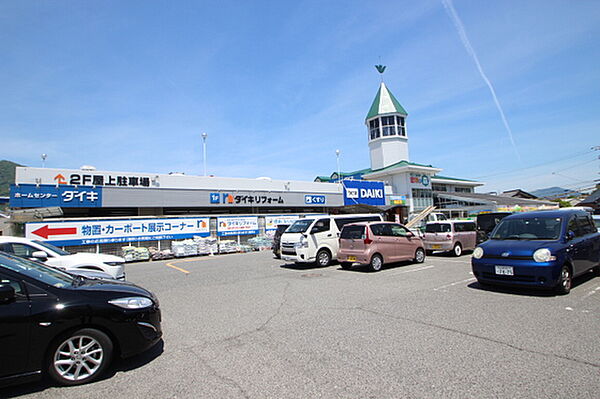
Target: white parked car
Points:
(56, 257)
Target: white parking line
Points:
(463, 261)
(592, 292)
(411, 270)
(453, 284)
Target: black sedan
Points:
(69, 326)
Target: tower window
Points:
(401, 126)
(374, 129)
(389, 125)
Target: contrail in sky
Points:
(465, 41)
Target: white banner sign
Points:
(87, 232)
(237, 225)
(271, 222)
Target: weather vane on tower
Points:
(380, 69)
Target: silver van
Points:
(450, 235)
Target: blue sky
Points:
(280, 85)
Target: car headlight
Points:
(134, 302)
(303, 243)
(478, 253)
(543, 255)
(114, 263)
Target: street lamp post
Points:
(44, 156)
(204, 136)
(337, 156)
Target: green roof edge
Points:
(373, 111)
(405, 163)
(452, 178)
(399, 107)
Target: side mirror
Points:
(410, 234)
(7, 293)
(570, 235)
(41, 255)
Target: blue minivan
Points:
(539, 249)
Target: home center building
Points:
(101, 208)
(105, 208)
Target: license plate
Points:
(505, 270)
(436, 246)
(351, 258)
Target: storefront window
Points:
(463, 189)
(422, 198)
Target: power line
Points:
(575, 155)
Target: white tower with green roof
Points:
(386, 125)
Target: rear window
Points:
(352, 232)
(462, 227)
(487, 221)
(438, 228)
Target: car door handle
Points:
(329, 235)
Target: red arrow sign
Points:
(47, 231)
(60, 179)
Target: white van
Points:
(315, 239)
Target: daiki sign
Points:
(363, 192)
(86, 232)
(66, 196)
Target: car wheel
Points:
(323, 258)
(566, 280)
(457, 251)
(80, 357)
(376, 263)
(419, 255)
(346, 265)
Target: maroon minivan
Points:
(378, 243)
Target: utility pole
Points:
(204, 136)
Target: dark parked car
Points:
(277, 239)
(486, 223)
(539, 249)
(66, 325)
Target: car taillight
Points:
(367, 240)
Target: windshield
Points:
(36, 271)
(52, 247)
(437, 228)
(597, 223)
(523, 228)
(300, 226)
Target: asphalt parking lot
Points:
(250, 326)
